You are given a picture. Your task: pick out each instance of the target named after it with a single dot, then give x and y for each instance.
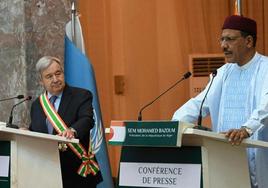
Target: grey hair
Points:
(44, 62)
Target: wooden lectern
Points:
(34, 158)
(222, 165)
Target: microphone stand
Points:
(185, 76)
(199, 120)
(10, 124)
(17, 97)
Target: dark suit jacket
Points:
(76, 111)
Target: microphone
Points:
(199, 120)
(185, 76)
(17, 97)
(9, 124)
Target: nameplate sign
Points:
(160, 175)
(146, 133)
(164, 133)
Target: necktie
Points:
(49, 125)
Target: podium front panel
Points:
(162, 160)
(5, 164)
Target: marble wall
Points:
(29, 29)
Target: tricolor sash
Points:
(89, 165)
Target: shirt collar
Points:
(244, 67)
(50, 95)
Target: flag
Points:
(79, 73)
(117, 132)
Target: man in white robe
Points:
(237, 101)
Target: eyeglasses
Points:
(51, 76)
(228, 39)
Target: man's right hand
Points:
(236, 136)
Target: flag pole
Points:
(73, 15)
(238, 8)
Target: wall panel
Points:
(148, 43)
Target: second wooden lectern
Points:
(151, 158)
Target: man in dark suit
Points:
(74, 106)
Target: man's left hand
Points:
(236, 136)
